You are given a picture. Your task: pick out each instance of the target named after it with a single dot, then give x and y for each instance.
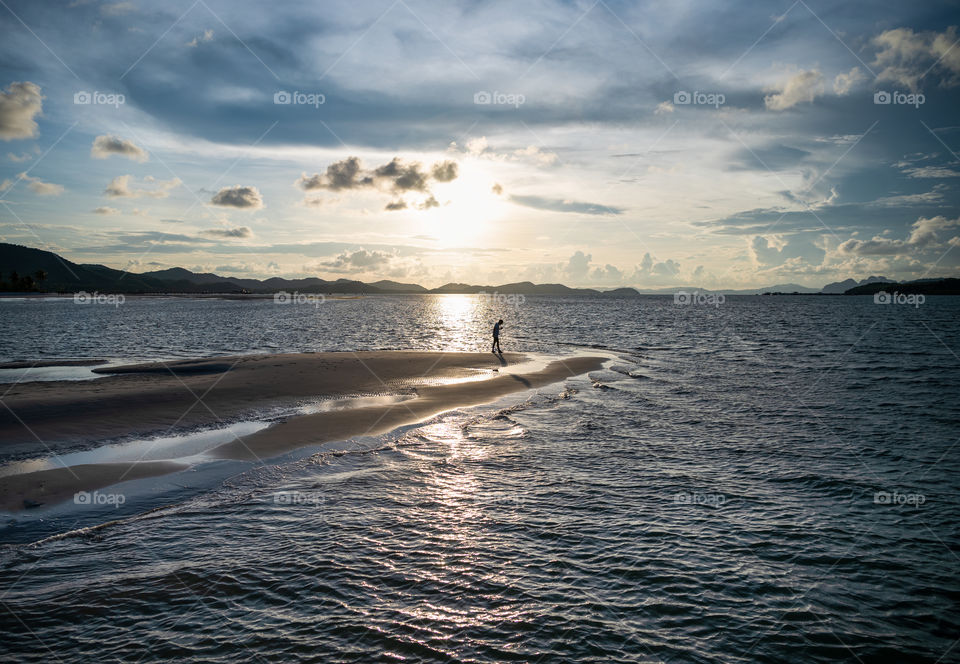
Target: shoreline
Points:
(143, 400)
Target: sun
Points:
(468, 208)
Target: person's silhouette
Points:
(495, 348)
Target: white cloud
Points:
(199, 39)
(108, 144)
(119, 187)
(923, 234)
(804, 86)
(19, 105)
(664, 108)
(844, 83)
(931, 172)
(117, 8)
(535, 154)
(36, 185)
(905, 56)
(106, 210)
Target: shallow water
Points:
(771, 480)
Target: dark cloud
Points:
(340, 175)
(239, 232)
(445, 171)
(108, 144)
(244, 198)
(396, 176)
(560, 205)
(403, 176)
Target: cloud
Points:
(36, 185)
(663, 108)
(404, 177)
(607, 274)
(340, 175)
(905, 56)
(17, 158)
(648, 267)
(117, 8)
(844, 83)
(108, 144)
(923, 234)
(932, 197)
(396, 177)
(578, 266)
(560, 205)
(360, 260)
(479, 146)
(106, 210)
(767, 251)
(240, 197)
(239, 232)
(445, 171)
(931, 172)
(19, 105)
(476, 146)
(804, 86)
(318, 201)
(537, 155)
(205, 37)
(119, 187)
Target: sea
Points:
(747, 479)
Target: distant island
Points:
(31, 270)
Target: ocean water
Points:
(774, 479)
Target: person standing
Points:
(495, 348)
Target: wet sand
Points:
(45, 418)
(46, 487)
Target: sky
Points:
(595, 143)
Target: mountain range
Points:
(21, 269)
